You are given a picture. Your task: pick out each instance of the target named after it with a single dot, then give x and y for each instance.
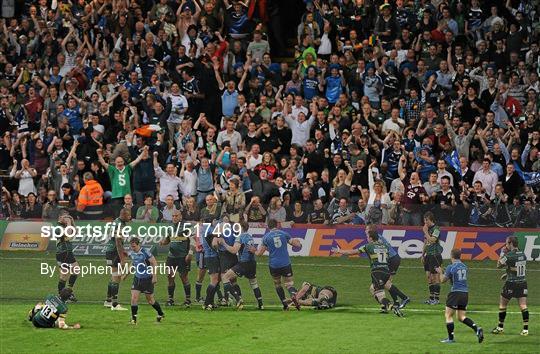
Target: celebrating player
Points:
(457, 274)
(246, 267)
(515, 285)
(276, 241)
(52, 312)
(69, 267)
(179, 258)
(394, 260)
(377, 253)
(145, 278)
(115, 255)
(432, 258)
(320, 297)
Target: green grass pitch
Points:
(354, 326)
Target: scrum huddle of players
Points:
(227, 258)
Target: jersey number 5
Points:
(277, 242)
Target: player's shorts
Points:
(179, 264)
(38, 324)
(65, 258)
(199, 258)
(379, 277)
(245, 269)
(212, 264)
(457, 300)
(514, 290)
(282, 272)
(393, 264)
(144, 285)
(332, 301)
(227, 260)
(113, 259)
(432, 262)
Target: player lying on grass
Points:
(276, 242)
(515, 285)
(115, 256)
(179, 258)
(432, 257)
(458, 297)
(244, 247)
(144, 280)
(377, 253)
(51, 313)
(320, 297)
(69, 267)
(394, 260)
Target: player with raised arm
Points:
(51, 313)
(432, 257)
(179, 258)
(69, 267)
(244, 247)
(515, 285)
(320, 297)
(115, 256)
(457, 273)
(145, 278)
(377, 253)
(394, 260)
(276, 242)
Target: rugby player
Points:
(515, 285)
(179, 258)
(211, 259)
(227, 260)
(377, 253)
(432, 257)
(145, 278)
(276, 241)
(69, 267)
(320, 297)
(458, 297)
(394, 260)
(116, 255)
(51, 313)
(246, 267)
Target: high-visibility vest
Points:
(91, 195)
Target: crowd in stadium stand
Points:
(383, 111)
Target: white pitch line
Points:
(294, 264)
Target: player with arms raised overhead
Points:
(179, 258)
(377, 253)
(432, 257)
(276, 241)
(69, 267)
(145, 278)
(115, 256)
(51, 313)
(458, 297)
(515, 285)
(244, 246)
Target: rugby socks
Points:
(292, 290)
(525, 315)
(228, 288)
(210, 292)
(450, 329)
(218, 292)
(385, 302)
(198, 287)
(156, 307)
(502, 316)
(134, 310)
(467, 321)
(72, 280)
(170, 291)
(109, 292)
(281, 294)
(236, 288)
(114, 293)
(187, 291)
(393, 293)
(258, 296)
(436, 291)
(61, 285)
(431, 292)
(398, 292)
